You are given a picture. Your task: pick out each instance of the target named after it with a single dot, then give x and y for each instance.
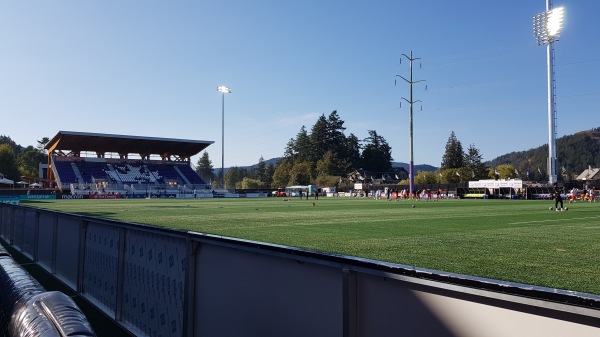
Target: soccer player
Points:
(558, 199)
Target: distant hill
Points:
(273, 161)
(574, 153)
(417, 168)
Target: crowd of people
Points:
(585, 194)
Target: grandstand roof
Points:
(123, 144)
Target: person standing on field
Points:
(558, 199)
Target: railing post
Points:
(349, 303)
(81, 257)
(36, 235)
(189, 294)
(120, 275)
(54, 244)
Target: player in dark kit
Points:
(558, 199)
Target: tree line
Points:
(324, 155)
(17, 161)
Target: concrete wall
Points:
(159, 282)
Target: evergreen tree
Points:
(335, 136)
(473, 162)
(204, 168)
(377, 154)
(454, 155)
(304, 148)
(326, 136)
(41, 144)
(352, 153)
(7, 140)
(319, 136)
(261, 169)
(290, 151)
(269, 171)
(299, 148)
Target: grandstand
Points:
(91, 163)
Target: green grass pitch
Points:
(512, 240)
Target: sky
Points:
(151, 68)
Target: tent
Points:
(6, 181)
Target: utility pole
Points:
(410, 102)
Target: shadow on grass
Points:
(96, 214)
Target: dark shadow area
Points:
(102, 325)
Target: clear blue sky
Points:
(151, 68)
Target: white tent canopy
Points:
(6, 181)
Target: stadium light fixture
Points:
(223, 90)
(546, 29)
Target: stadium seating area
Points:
(123, 175)
(67, 175)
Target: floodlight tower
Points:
(546, 28)
(223, 90)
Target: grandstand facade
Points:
(101, 164)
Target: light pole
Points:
(546, 28)
(223, 90)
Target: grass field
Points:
(520, 241)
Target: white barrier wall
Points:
(160, 282)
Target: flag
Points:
(340, 180)
(564, 169)
(539, 171)
(472, 174)
(397, 177)
(382, 177)
(440, 174)
(496, 172)
(516, 172)
(458, 174)
(527, 174)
